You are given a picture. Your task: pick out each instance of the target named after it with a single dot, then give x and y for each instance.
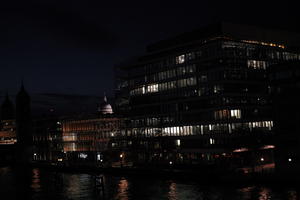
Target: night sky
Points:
(70, 47)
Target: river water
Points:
(38, 184)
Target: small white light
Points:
(101, 160)
(170, 162)
(121, 155)
(34, 154)
(262, 159)
(290, 160)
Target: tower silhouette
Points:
(24, 126)
(7, 109)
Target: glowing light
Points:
(264, 43)
(262, 159)
(268, 147)
(170, 162)
(121, 155)
(59, 159)
(290, 160)
(83, 155)
(177, 143)
(240, 150)
(98, 157)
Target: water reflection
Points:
(172, 195)
(39, 184)
(35, 185)
(122, 193)
(264, 194)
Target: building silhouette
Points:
(7, 131)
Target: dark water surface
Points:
(38, 184)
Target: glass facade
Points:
(214, 86)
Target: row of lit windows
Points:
(185, 57)
(227, 114)
(152, 88)
(256, 64)
(182, 70)
(203, 129)
(68, 137)
(89, 126)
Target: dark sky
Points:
(70, 46)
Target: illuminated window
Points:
(152, 88)
(235, 114)
(217, 89)
(257, 64)
(83, 155)
(211, 141)
(138, 91)
(180, 59)
(177, 143)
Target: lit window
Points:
(235, 114)
(180, 59)
(256, 64)
(177, 143)
(152, 88)
(83, 155)
(217, 89)
(211, 141)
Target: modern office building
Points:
(203, 97)
(285, 83)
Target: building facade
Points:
(7, 122)
(285, 83)
(203, 97)
(89, 138)
(47, 139)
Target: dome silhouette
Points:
(105, 107)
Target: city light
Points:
(262, 159)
